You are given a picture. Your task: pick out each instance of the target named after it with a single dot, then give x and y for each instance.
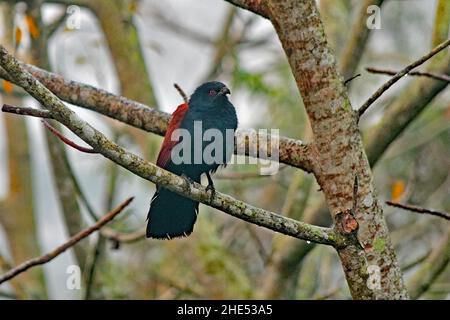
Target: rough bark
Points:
(402, 111)
(341, 156)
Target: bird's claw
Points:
(210, 187)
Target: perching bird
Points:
(172, 215)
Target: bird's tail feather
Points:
(171, 215)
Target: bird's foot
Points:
(210, 187)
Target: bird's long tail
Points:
(170, 215)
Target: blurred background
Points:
(139, 49)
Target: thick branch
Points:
(157, 175)
(400, 74)
(340, 153)
(291, 152)
(71, 242)
(417, 209)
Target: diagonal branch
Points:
(417, 209)
(71, 242)
(292, 152)
(158, 175)
(435, 76)
(399, 75)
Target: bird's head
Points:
(210, 94)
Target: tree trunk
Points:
(341, 160)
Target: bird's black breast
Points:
(222, 119)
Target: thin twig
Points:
(181, 92)
(441, 77)
(176, 26)
(71, 242)
(415, 262)
(122, 237)
(352, 78)
(409, 207)
(66, 140)
(38, 113)
(399, 75)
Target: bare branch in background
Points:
(431, 268)
(389, 72)
(357, 41)
(399, 75)
(183, 30)
(181, 92)
(417, 209)
(71, 242)
(54, 25)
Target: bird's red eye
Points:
(212, 92)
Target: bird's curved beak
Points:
(224, 91)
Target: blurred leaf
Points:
(7, 86)
(397, 190)
(18, 37)
(32, 26)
